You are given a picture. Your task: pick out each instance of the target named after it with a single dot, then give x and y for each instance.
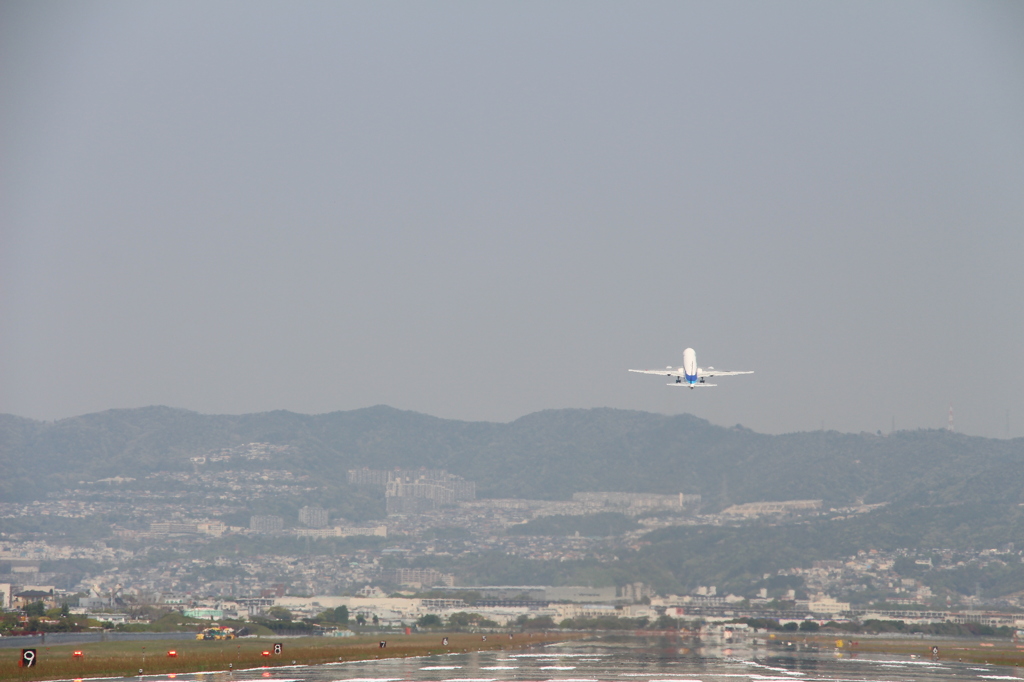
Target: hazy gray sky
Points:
(479, 210)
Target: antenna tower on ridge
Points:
(950, 426)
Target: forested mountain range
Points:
(545, 455)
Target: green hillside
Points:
(547, 455)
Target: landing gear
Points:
(702, 380)
(679, 380)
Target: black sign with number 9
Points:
(28, 658)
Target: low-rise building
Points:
(266, 524)
(313, 517)
(26, 597)
(761, 508)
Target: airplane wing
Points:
(667, 372)
(719, 373)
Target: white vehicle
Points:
(689, 374)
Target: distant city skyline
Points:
(482, 211)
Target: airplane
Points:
(689, 374)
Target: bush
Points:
(279, 613)
(429, 620)
(539, 623)
(666, 622)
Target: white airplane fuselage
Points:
(689, 369)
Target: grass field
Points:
(125, 659)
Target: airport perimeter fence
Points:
(58, 638)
